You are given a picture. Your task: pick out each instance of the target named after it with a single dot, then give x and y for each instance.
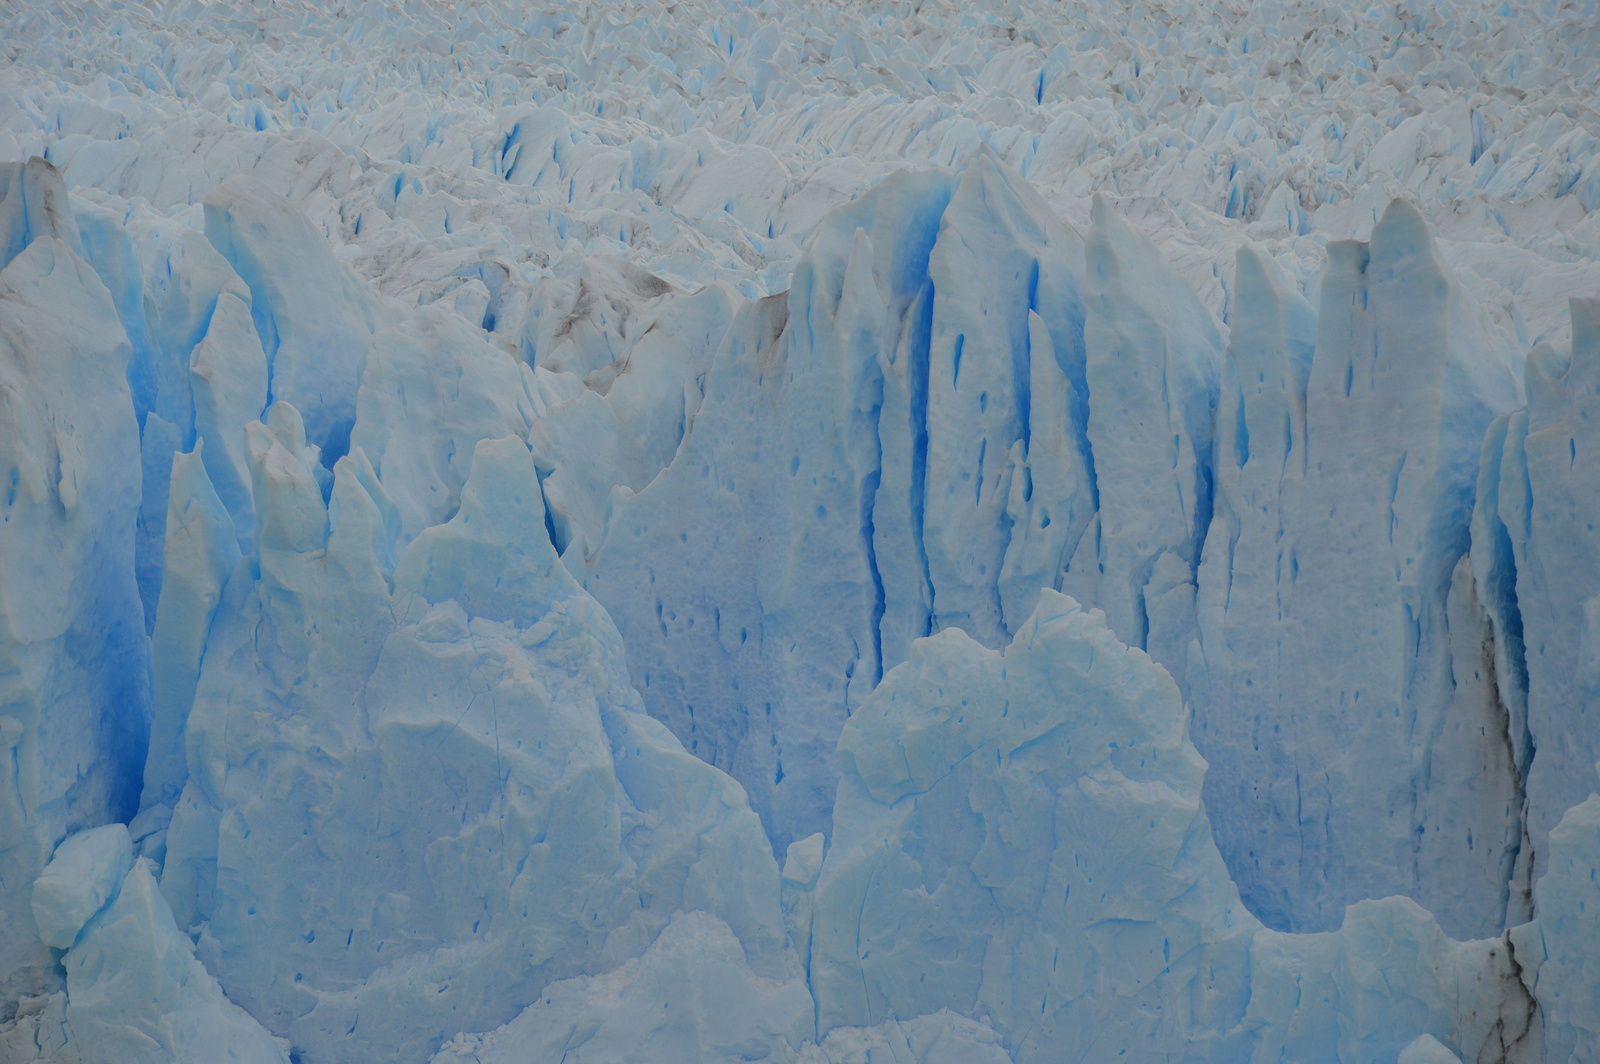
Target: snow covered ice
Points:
(987, 533)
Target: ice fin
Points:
(228, 379)
(74, 656)
(314, 316)
(290, 513)
(1154, 361)
(201, 552)
(33, 204)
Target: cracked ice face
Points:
(1100, 494)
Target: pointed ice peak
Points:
(287, 425)
(1007, 195)
(1558, 380)
(1258, 276)
(803, 861)
(360, 507)
(1109, 227)
(900, 216)
(1402, 244)
(494, 556)
(857, 271)
(1545, 379)
(1271, 320)
(33, 203)
(199, 276)
(192, 495)
(315, 317)
(290, 513)
(1402, 233)
(201, 552)
(1121, 258)
(1426, 1049)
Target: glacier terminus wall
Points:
(1004, 532)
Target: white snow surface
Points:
(824, 533)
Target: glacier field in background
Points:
(930, 532)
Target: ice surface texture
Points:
(996, 533)
(73, 660)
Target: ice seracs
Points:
(1345, 482)
(450, 755)
(1072, 893)
(870, 507)
(422, 711)
(1534, 529)
(74, 664)
(134, 990)
(961, 532)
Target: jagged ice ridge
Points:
(1000, 532)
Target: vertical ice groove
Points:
(314, 316)
(577, 568)
(1153, 365)
(74, 658)
(1000, 253)
(201, 553)
(1050, 503)
(1546, 489)
(1398, 381)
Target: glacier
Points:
(1003, 533)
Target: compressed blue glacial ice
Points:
(84, 874)
(984, 533)
(1351, 432)
(1124, 929)
(73, 660)
(135, 992)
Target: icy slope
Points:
(554, 529)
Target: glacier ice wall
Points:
(723, 532)
(539, 828)
(1346, 487)
(1534, 506)
(982, 860)
(75, 672)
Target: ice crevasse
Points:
(978, 652)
